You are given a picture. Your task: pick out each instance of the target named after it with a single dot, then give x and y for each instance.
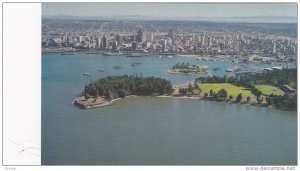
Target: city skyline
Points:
(162, 9)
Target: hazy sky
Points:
(170, 9)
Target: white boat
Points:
(101, 70)
(86, 74)
(111, 54)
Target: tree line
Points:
(276, 77)
(120, 86)
(288, 102)
(181, 65)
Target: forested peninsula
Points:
(270, 88)
(105, 90)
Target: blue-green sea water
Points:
(155, 131)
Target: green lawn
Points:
(267, 90)
(231, 89)
(100, 99)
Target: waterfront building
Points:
(114, 45)
(173, 49)
(150, 37)
(134, 46)
(163, 48)
(104, 42)
(98, 42)
(152, 46)
(145, 45)
(139, 36)
(119, 39)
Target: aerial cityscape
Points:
(211, 41)
(194, 88)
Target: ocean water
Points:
(155, 131)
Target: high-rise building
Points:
(163, 48)
(133, 38)
(171, 33)
(294, 50)
(202, 41)
(287, 42)
(228, 43)
(119, 39)
(104, 42)
(241, 37)
(133, 45)
(65, 38)
(274, 48)
(81, 38)
(209, 42)
(196, 44)
(150, 37)
(173, 49)
(139, 36)
(114, 45)
(236, 46)
(98, 42)
(198, 39)
(169, 41)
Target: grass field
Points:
(267, 90)
(231, 89)
(100, 99)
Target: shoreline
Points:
(169, 71)
(83, 105)
(77, 102)
(222, 58)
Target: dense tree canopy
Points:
(181, 65)
(120, 86)
(288, 102)
(239, 98)
(223, 93)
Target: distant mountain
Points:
(248, 19)
(259, 19)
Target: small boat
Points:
(111, 54)
(134, 55)
(86, 74)
(135, 64)
(234, 69)
(101, 70)
(67, 54)
(217, 68)
(106, 54)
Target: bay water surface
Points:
(151, 130)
